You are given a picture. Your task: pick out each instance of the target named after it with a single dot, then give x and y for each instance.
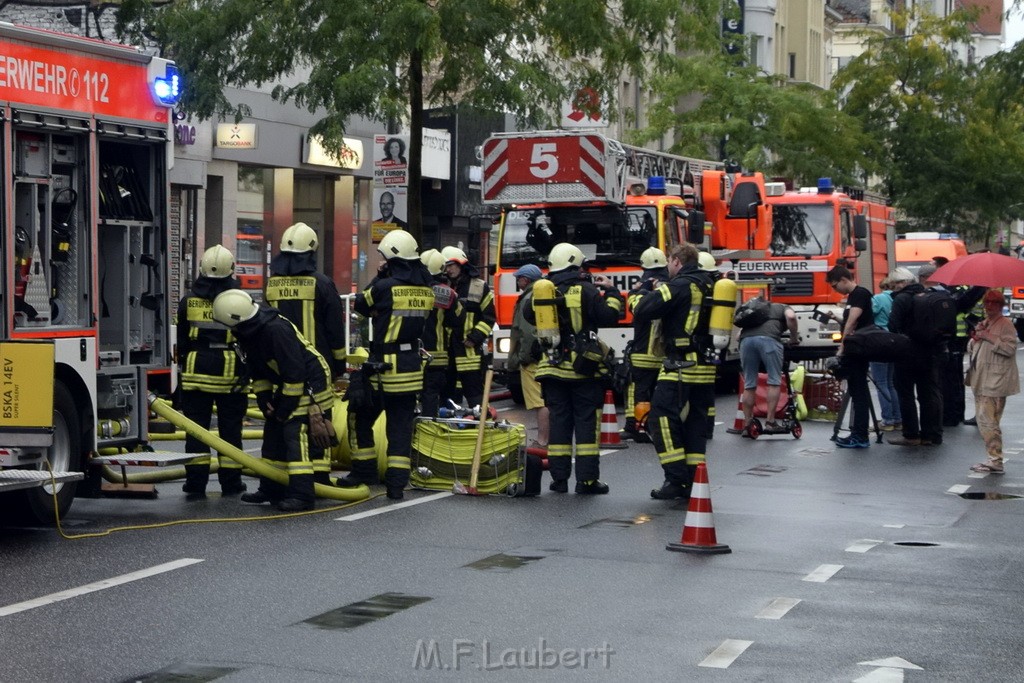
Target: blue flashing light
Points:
(167, 90)
(825, 186)
(656, 184)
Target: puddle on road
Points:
(620, 523)
(185, 673)
(988, 495)
(365, 611)
(916, 544)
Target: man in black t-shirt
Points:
(857, 316)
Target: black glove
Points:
(263, 401)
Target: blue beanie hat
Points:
(530, 272)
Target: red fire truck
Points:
(581, 187)
(86, 328)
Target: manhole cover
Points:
(988, 495)
(916, 544)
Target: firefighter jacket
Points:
(476, 321)
(311, 301)
(583, 308)
(206, 353)
(678, 304)
(283, 365)
(646, 349)
(398, 302)
(440, 322)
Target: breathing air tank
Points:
(545, 311)
(723, 300)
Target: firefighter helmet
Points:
(433, 260)
(565, 255)
(653, 258)
(454, 255)
(217, 262)
(707, 262)
(398, 244)
(299, 239)
(234, 306)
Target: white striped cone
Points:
(737, 425)
(610, 423)
(699, 527)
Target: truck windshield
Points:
(802, 229)
(608, 236)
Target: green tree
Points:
(386, 60)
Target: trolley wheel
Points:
(797, 430)
(756, 428)
(513, 490)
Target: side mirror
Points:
(695, 227)
(860, 228)
(861, 245)
(492, 268)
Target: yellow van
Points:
(917, 248)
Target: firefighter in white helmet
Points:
(210, 374)
(677, 304)
(397, 302)
(310, 300)
(645, 353)
(468, 344)
(288, 374)
(437, 333)
(572, 375)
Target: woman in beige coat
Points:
(992, 376)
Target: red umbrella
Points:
(986, 269)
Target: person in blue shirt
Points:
(882, 373)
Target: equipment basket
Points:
(442, 455)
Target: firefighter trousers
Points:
(198, 407)
(678, 427)
(399, 414)
(287, 446)
(575, 411)
(434, 380)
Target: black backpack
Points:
(933, 317)
(752, 313)
(872, 343)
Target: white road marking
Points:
(777, 608)
(726, 653)
(823, 573)
(894, 526)
(958, 489)
(392, 508)
(863, 545)
(977, 475)
(97, 586)
(885, 674)
(895, 662)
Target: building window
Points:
(792, 65)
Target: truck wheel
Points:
(65, 455)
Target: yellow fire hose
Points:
(164, 410)
(180, 435)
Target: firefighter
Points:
(645, 352)
(678, 417)
(310, 300)
(468, 344)
(436, 333)
(572, 375)
(706, 392)
(210, 374)
(288, 375)
(398, 302)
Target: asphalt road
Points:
(863, 565)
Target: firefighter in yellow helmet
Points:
(680, 442)
(398, 303)
(288, 375)
(311, 301)
(210, 374)
(645, 353)
(468, 344)
(437, 332)
(572, 374)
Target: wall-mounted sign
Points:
(236, 135)
(349, 156)
(436, 154)
(184, 134)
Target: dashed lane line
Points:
(392, 508)
(958, 489)
(823, 573)
(864, 545)
(97, 586)
(777, 608)
(726, 653)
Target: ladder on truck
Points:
(643, 163)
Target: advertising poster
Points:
(390, 160)
(390, 210)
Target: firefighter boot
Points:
(363, 472)
(591, 488)
(230, 479)
(671, 491)
(196, 479)
(299, 495)
(395, 480)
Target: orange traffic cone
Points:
(740, 421)
(610, 423)
(699, 527)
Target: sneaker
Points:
(590, 488)
(904, 441)
(853, 442)
(295, 505)
(257, 497)
(971, 422)
(887, 427)
(670, 491)
(559, 485)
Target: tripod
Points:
(845, 404)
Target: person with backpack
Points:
(928, 317)
(525, 354)
(882, 372)
(857, 316)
